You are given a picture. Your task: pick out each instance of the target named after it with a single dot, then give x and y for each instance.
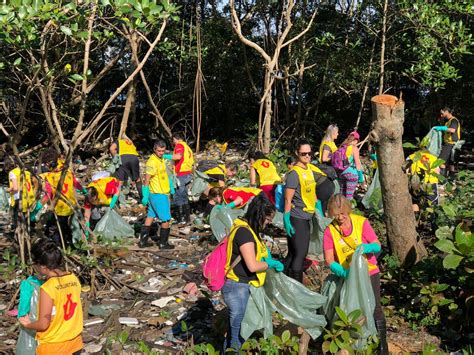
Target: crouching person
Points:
(247, 262)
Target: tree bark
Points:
(382, 47)
(387, 132)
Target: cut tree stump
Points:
(387, 131)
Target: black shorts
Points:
(446, 153)
(130, 168)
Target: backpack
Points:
(205, 165)
(213, 268)
(328, 170)
(339, 159)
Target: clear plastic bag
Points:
(288, 297)
(332, 291)
(221, 221)
(4, 199)
(112, 225)
(320, 224)
(26, 343)
(199, 185)
(373, 196)
(76, 229)
(435, 141)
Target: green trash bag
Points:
(221, 221)
(199, 185)
(373, 196)
(114, 164)
(4, 199)
(112, 226)
(278, 220)
(433, 142)
(76, 229)
(353, 293)
(26, 343)
(288, 297)
(320, 224)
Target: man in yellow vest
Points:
(452, 133)
(63, 208)
(183, 167)
(130, 165)
(156, 195)
(103, 191)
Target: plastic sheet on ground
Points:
(435, 141)
(353, 293)
(199, 184)
(4, 199)
(221, 221)
(112, 225)
(288, 297)
(373, 196)
(26, 343)
(320, 224)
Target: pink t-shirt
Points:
(368, 236)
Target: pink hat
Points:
(355, 135)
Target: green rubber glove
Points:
(219, 207)
(88, 227)
(269, 253)
(361, 176)
(35, 211)
(172, 189)
(26, 291)
(168, 156)
(146, 194)
(440, 128)
(370, 248)
(338, 270)
(319, 207)
(274, 264)
(113, 201)
(373, 157)
(230, 205)
(287, 223)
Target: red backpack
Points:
(213, 268)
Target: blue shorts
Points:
(159, 207)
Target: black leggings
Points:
(324, 191)
(378, 312)
(298, 245)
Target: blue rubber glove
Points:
(88, 227)
(35, 211)
(373, 156)
(287, 223)
(338, 270)
(370, 248)
(361, 176)
(219, 207)
(113, 201)
(172, 189)
(168, 156)
(82, 191)
(26, 291)
(319, 207)
(146, 194)
(269, 254)
(274, 264)
(440, 128)
(230, 205)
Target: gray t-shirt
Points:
(293, 182)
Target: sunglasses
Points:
(302, 154)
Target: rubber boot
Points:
(187, 213)
(154, 235)
(382, 332)
(138, 184)
(144, 234)
(180, 215)
(164, 235)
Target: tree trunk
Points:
(387, 132)
(382, 47)
(129, 103)
(267, 121)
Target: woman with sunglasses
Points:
(328, 147)
(300, 202)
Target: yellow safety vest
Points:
(253, 190)
(424, 166)
(346, 246)
(260, 253)
(188, 158)
(331, 146)
(218, 170)
(100, 185)
(307, 187)
(448, 136)
(126, 146)
(26, 187)
(62, 208)
(156, 168)
(267, 172)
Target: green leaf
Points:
(445, 245)
(333, 347)
(464, 241)
(341, 315)
(76, 77)
(443, 233)
(17, 62)
(452, 261)
(66, 30)
(449, 210)
(286, 336)
(441, 287)
(409, 145)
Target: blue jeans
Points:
(180, 198)
(236, 296)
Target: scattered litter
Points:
(128, 321)
(162, 301)
(93, 321)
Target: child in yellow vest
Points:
(59, 325)
(265, 170)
